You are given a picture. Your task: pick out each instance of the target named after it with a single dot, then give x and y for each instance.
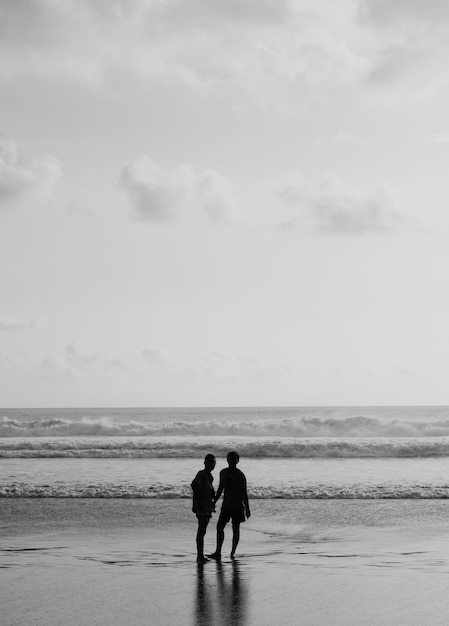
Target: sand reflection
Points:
(221, 595)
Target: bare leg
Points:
(203, 521)
(220, 539)
(235, 538)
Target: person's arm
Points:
(245, 497)
(220, 489)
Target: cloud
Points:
(386, 12)
(10, 323)
(237, 368)
(215, 196)
(72, 364)
(275, 55)
(78, 358)
(254, 48)
(158, 195)
(343, 139)
(75, 362)
(441, 138)
(77, 366)
(327, 205)
(21, 179)
(410, 43)
(54, 369)
(261, 11)
(153, 193)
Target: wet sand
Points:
(299, 562)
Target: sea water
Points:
(96, 507)
(286, 452)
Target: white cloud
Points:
(254, 10)
(215, 195)
(410, 43)
(54, 369)
(22, 179)
(155, 194)
(273, 54)
(79, 358)
(442, 138)
(343, 139)
(327, 205)
(72, 364)
(236, 368)
(385, 12)
(10, 323)
(77, 366)
(75, 362)
(230, 47)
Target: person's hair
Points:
(233, 457)
(209, 458)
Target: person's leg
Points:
(203, 521)
(235, 537)
(222, 521)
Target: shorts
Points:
(204, 515)
(236, 515)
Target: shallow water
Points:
(267, 478)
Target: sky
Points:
(224, 202)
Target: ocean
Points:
(286, 452)
(349, 516)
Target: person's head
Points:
(233, 458)
(209, 462)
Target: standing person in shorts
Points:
(235, 503)
(203, 502)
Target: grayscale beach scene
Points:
(224, 305)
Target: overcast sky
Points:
(224, 202)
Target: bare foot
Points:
(215, 555)
(202, 559)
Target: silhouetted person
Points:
(235, 503)
(203, 502)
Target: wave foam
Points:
(358, 426)
(325, 492)
(197, 447)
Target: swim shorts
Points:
(236, 515)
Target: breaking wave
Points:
(325, 492)
(197, 447)
(358, 426)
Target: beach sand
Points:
(68, 561)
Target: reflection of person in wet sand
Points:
(235, 503)
(232, 598)
(204, 604)
(222, 600)
(203, 502)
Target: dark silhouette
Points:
(221, 598)
(204, 605)
(235, 503)
(203, 502)
(232, 595)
